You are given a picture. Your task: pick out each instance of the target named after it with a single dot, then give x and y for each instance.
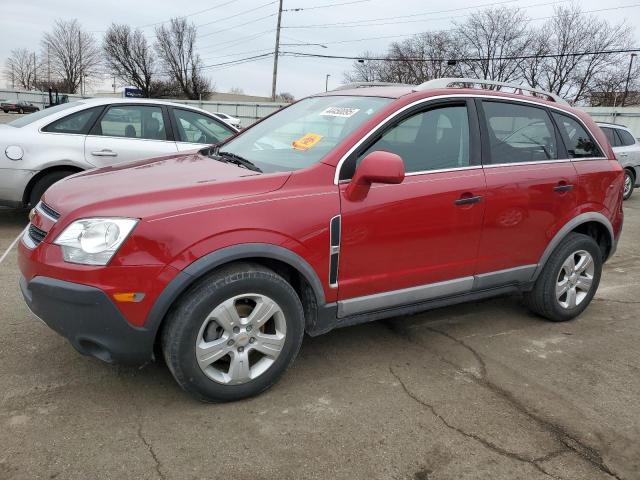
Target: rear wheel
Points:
(629, 181)
(44, 183)
(569, 279)
(21, 111)
(234, 334)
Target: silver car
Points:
(627, 150)
(39, 149)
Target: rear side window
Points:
(133, 121)
(79, 122)
(610, 133)
(626, 138)
(578, 142)
(519, 133)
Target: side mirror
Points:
(377, 167)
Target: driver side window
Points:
(193, 127)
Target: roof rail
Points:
(474, 82)
(349, 86)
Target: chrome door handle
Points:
(563, 188)
(104, 153)
(468, 200)
(624, 154)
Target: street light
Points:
(626, 85)
(326, 83)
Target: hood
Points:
(157, 187)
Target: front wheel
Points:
(234, 334)
(569, 279)
(21, 111)
(629, 180)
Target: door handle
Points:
(104, 153)
(563, 187)
(624, 154)
(468, 200)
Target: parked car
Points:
(18, 107)
(627, 151)
(345, 207)
(44, 147)
(227, 118)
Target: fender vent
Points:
(334, 250)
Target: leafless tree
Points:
(21, 69)
(490, 40)
(176, 48)
(285, 97)
(73, 53)
(131, 58)
(364, 70)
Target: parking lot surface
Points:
(482, 390)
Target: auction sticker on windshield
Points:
(306, 142)
(344, 112)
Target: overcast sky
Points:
(23, 22)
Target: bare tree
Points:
(364, 70)
(130, 57)
(21, 69)
(285, 97)
(491, 39)
(176, 48)
(74, 54)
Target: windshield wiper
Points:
(236, 160)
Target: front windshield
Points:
(32, 117)
(303, 133)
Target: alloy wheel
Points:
(575, 279)
(241, 338)
(628, 184)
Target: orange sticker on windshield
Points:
(306, 142)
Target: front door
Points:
(128, 132)
(417, 240)
(531, 188)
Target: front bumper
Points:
(88, 319)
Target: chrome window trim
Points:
(336, 177)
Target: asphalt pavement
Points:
(478, 391)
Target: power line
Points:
(239, 25)
(229, 2)
(236, 41)
(217, 20)
(462, 59)
(328, 5)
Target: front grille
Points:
(49, 211)
(36, 235)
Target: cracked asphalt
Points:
(482, 390)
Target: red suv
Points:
(345, 207)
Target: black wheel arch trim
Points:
(570, 226)
(209, 262)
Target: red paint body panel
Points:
(410, 234)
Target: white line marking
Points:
(13, 244)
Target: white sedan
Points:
(39, 149)
(227, 118)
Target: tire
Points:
(205, 315)
(44, 183)
(21, 111)
(629, 180)
(544, 301)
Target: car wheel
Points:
(234, 334)
(569, 279)
(44, 183)
(629, 180)
(20, 111)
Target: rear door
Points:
(530, 186)
(628, 151)
(196, 130)
(129, 132)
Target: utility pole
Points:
(326, 83)
(626, 85)
(275, 55)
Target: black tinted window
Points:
(578, 142)
(626, 137)
(431, 140)
(78, 122)
(519, 133)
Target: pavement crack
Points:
(486, 443)
(611, 300)
(152, 452)
(570, 442)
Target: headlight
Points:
(93, 241)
